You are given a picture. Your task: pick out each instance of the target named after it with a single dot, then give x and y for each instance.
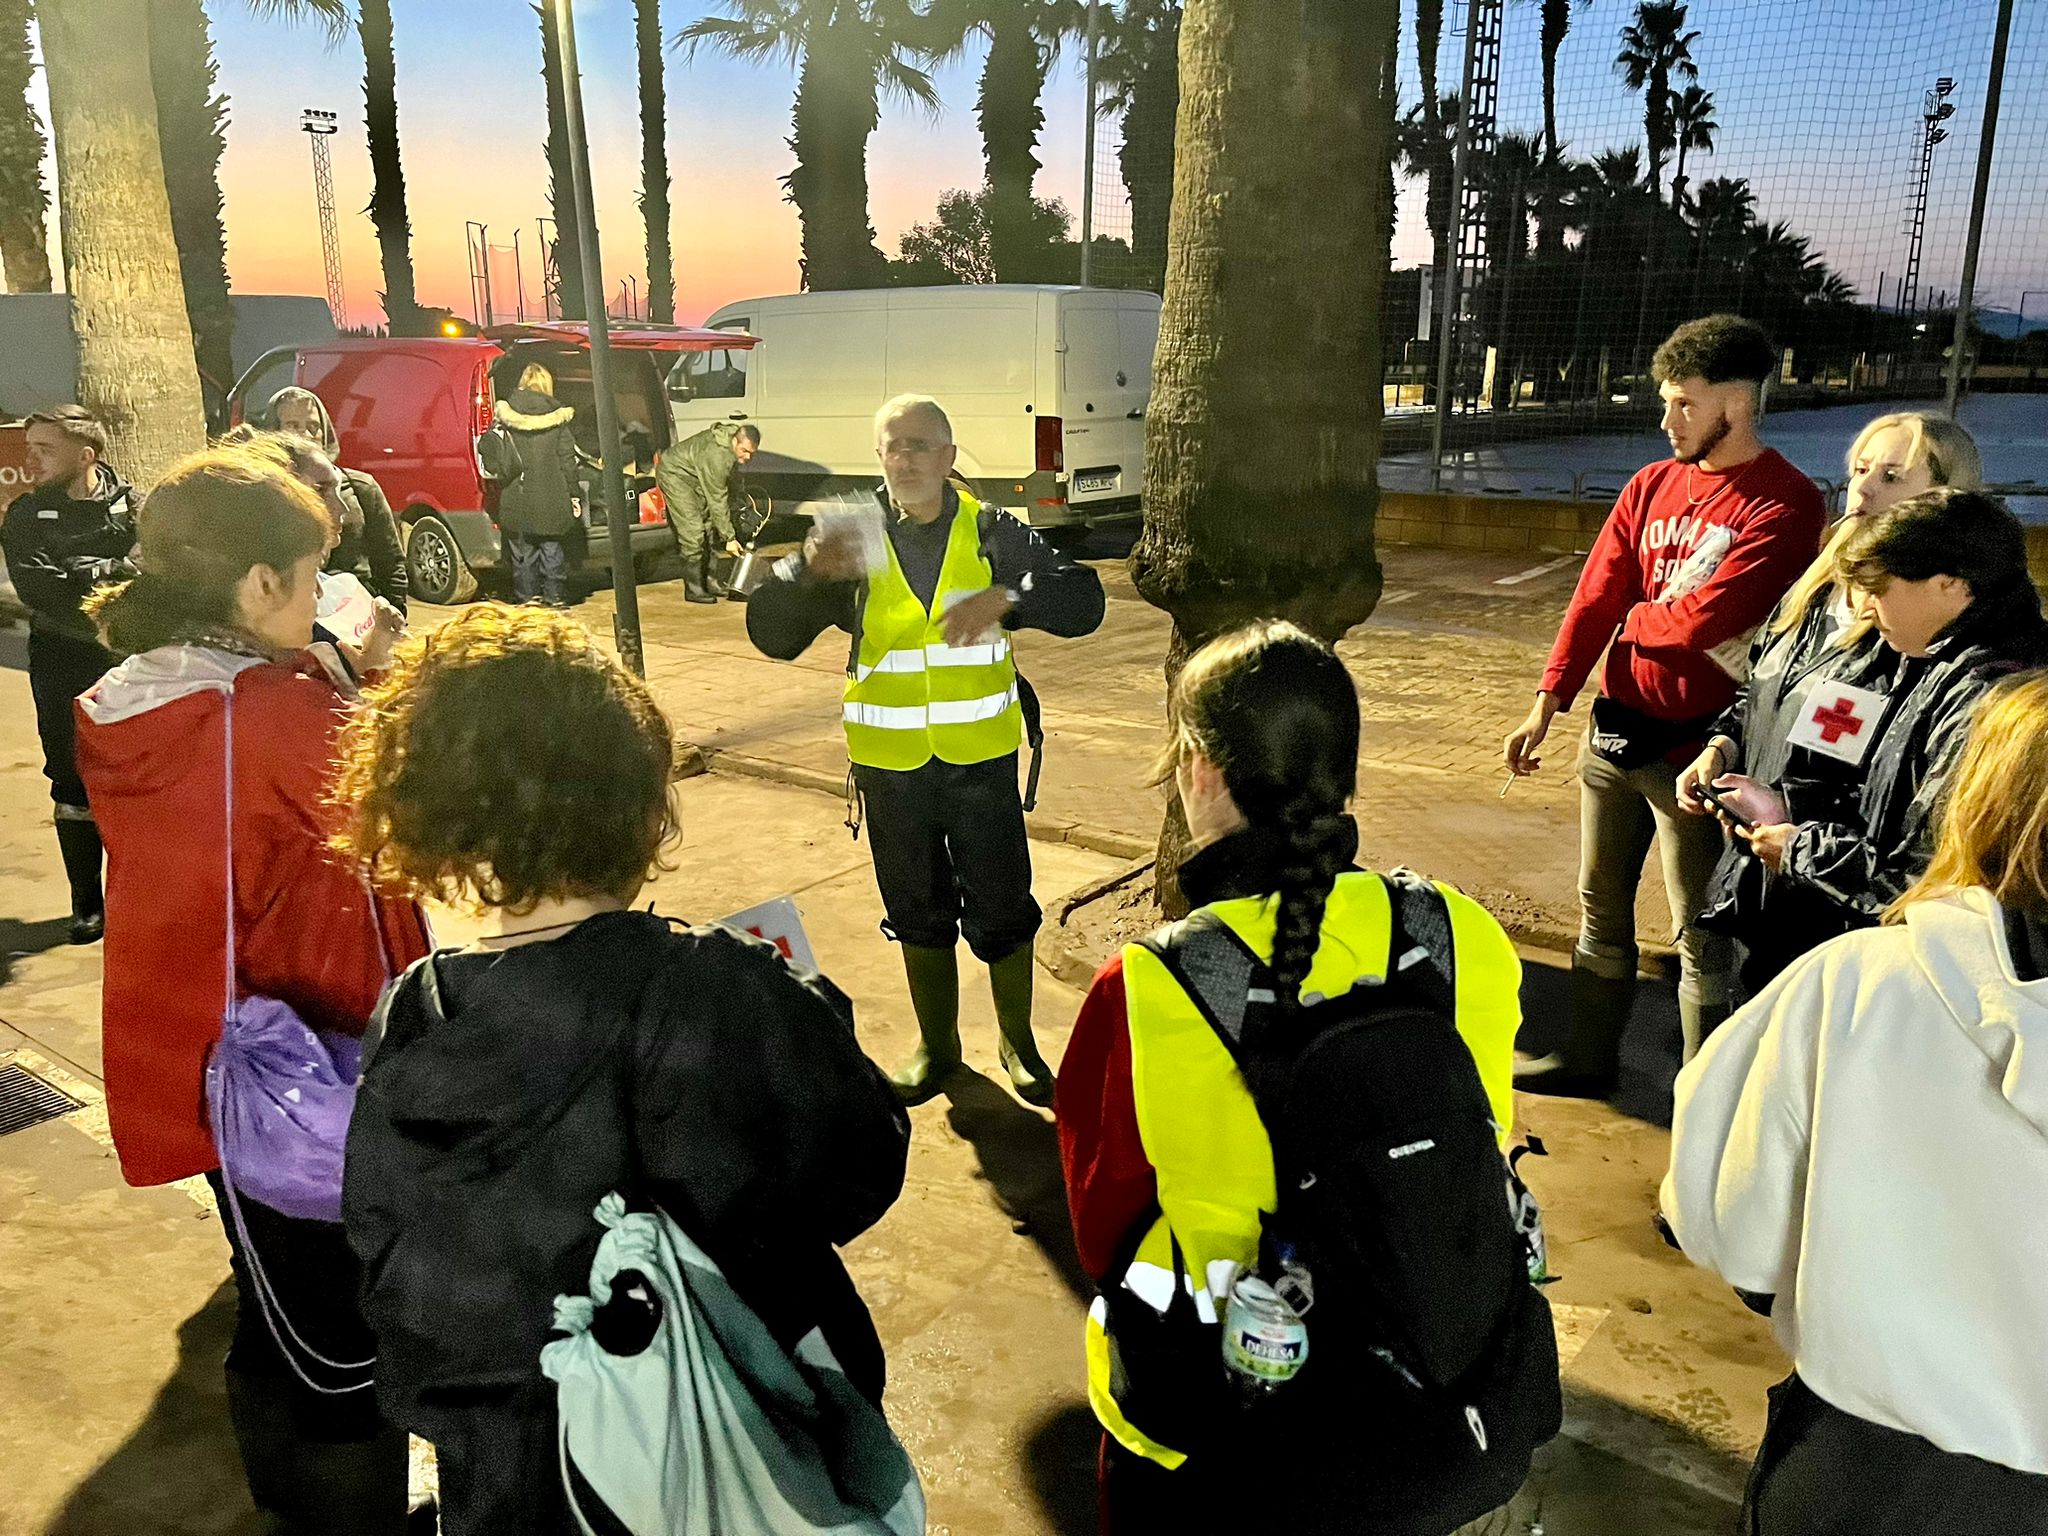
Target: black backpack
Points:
(1432, 1370)
(497, 454)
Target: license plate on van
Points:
(1089, 485)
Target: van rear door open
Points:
(1107, 339)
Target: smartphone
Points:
(1720, 802)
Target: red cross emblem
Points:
(1837, 720)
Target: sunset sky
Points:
(1825, 133)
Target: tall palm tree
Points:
(1654, 48)
(1139, 68)
(1256, 330)
(565, 253)
(1556, 27)
(191, 123)
(387, 171)
(1692, 127)
(847, 54)
(135, 364)
(1024, 38)
(661, 265)
(1429, 149)
(1511, 173)
(1721, 213)
(24, 200)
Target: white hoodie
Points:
(1868, 1141)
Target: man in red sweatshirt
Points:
(1694, 556)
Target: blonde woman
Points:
(1867, 1142)
(1811, 642)
(537, 508)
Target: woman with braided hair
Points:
(1169, 1166)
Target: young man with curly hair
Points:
(576, 1049)
(1694, 556)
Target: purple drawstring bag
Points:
(281, 1096)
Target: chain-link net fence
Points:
(1809, 163)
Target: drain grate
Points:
(27, 1100)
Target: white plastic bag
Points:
(713, 1427)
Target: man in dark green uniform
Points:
(696, 477)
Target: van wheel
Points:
(434, 567)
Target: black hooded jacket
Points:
(537, 504)
(1866, 863)
(505, 1094)
(1785, 672)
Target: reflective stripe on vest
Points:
(911, 696)
(1202, 1134)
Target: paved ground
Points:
(111, 1414)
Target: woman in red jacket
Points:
(229, 547)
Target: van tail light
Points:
(1052, 443)
(486, 407)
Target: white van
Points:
(1046, 388)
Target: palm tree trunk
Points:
(1557, 22)
(1429, 36)
(135, 367)
(24, 200)
(387, 172)
(835, 114)
(661, 266)
(1011, 81)
(191, 121)
(565, 253)
(1257, 333)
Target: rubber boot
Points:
(78, 839)
(1589, 1065)
(1697, 1020)
(1009, 980)
(712, 584)
(694, 590)
(310, 1487)
(934, 977)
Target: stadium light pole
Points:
(1994, 87)
(1088, 161)
(1447, 301)
(619, 518)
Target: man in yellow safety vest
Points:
(934, 718)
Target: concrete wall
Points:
(1510, 524)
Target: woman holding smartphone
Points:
(1943, 579)
(1815, 641)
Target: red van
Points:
(409, 410)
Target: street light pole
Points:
(1992, 90)
(619, 518)
(1088, 162)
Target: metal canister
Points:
(1265, 1341)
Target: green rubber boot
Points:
(934, 979)
(1010, 979)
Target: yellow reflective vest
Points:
(911, 696)
(1202, 1134)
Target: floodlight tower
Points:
(320, 127)
(1935, 109)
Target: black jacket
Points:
(790, 610)
(1865, 862)
(1785, 671)
(536, 505)
(504, 1095)
(370, 549)
(59, 548)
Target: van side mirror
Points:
(681, 391)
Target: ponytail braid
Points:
(1320, 838)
